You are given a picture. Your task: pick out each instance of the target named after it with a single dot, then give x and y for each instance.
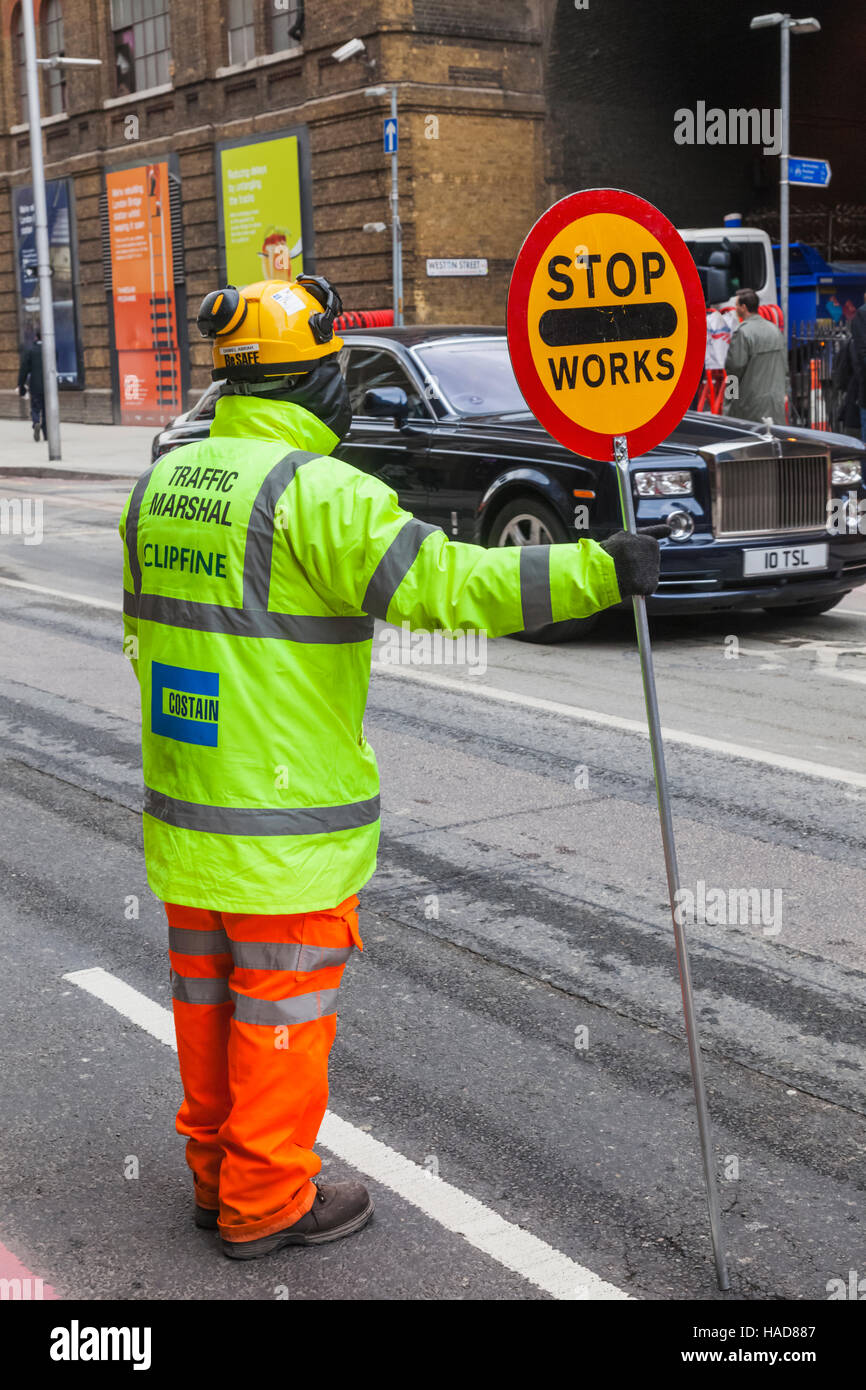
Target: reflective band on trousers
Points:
(257, 955)
(188, 942)
(535, 586)
(394, 565)
(276, 1013)
(280, 955)
(252, 820)
(269, 1013)
(191, 989)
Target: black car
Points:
(761, 516)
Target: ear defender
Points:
(322, 325)
(222, 311)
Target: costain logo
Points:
(185, 704)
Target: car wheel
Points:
(806, 610)
(527, 521)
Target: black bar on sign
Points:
(607, 323)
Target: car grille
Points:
(777, 494)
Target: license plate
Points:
(785, 559)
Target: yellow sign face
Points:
(607, 323)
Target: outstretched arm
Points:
(368, 553)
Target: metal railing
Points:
(817, 399)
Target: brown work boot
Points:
(339, 1209)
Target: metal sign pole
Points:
(661, 781)
(396, 229)
(784, 185)
(46, 301)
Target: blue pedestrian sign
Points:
(392, 138)
(814, 171)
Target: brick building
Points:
(179, 79)
(503, 108)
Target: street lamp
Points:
(40, 218)
(787, 26)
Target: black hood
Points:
(323, 392)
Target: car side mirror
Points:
(387, 401)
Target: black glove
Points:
(636, 558)
(22, 390)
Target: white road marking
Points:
(511, 1246)
(470, 686)
(153, 1018)
(781, 761)
(110, 604)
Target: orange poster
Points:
(145, 314)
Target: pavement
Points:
(113, 451)
(510, 1076)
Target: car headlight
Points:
(664, 484)
(847, 472)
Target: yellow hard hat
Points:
(270, 329)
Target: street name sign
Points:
(460, 265)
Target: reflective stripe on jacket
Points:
(254, 565)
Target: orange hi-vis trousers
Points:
(255, 1012)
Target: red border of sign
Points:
(584, 441)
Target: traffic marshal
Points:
(607, 324)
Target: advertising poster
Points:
(70, 373)
(143, 297)
(263, 209)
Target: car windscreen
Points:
(475, 375)
(748, 261)
(206, 403)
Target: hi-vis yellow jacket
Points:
(254, 565)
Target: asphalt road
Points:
(514, 1025)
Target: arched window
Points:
(52, 46)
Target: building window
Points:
(20, 64)
(285, 24)
(52, 46)
(242, 30)
(142, 44)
